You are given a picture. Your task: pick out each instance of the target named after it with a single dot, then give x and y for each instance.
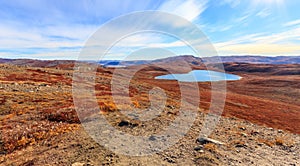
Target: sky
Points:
(60, 29)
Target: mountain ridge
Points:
(186, 58)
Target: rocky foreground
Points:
(243, 143)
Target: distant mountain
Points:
(261, 59)
(183, 58)
(198, 61)
(177, 60)
(122, 63)
(5, 60)
(35, 63)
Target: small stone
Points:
(205, 140)
(123, 123)
(170, 160)
(152, 138)
(244, 134)
(197, 148)
(243, 128)
(78, 164)
(240, 145)
(106, 132)
(254, 132)
(260, 144)
(43, 84)
(171, 106)
(280, 131)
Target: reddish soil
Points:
(261, 96)
(36, 104)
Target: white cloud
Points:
(47, 37)
(188, 9)
(292, 23)
(232, 3)
(264, 13)
(260, 49)
(229, 24)
(276, 44)
(282, 37)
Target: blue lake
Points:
(200, 76)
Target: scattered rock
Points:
(106, 132)
(254, 132)
(241, 145)
(243, 128)
(260, 144)
(198, 148)
(170, 160)
(204, 140)
(171, 106)
(201, 151)
(43, 84)
(124, 123)
(78, 164)
(244, 134)
(152, 138)
(82, 164)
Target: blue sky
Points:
(59, 29)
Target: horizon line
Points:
(252, 55)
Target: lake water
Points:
(200, 76)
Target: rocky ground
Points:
(244, 144)
(39, 125)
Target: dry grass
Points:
(267, 142)
(239, 143)
(33, 108)
(211, 147)
(21, 139)
(206, 159)
(284, 141)
(279, 141)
